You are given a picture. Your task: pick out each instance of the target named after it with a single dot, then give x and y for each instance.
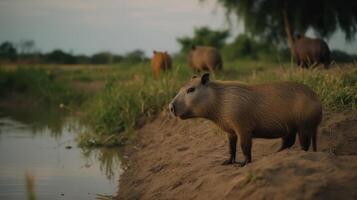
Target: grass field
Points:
(114, 100)
(123, 106)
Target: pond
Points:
(39, 149)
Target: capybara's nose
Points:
(172, 109)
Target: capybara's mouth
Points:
(186, 115)
(183, 117)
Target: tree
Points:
(135, 56)
(242, 47)
(26, 46)
(101, 58)
(8, 51)
(277, 20)
(59, 57)
(204, 36)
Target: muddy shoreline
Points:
(175, 159)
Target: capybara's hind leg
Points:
(305, 139)
(313, 139)
(326, 65)
(246, 146)
(232, 139)
(303, 64)
(288, 141)
(156, 74)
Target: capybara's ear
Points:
(205, 78)
(194, 76)
(193, 47)
(154, 52)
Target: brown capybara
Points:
(309, 51)
(204, 58)
(160, 61)
(277, 110)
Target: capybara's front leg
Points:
(232, 139)
(245, 140)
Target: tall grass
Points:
(30, 186)
(337, 88)
(36, 84)
(122, 106)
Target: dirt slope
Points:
(175, 159)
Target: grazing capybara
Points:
(204, 58)
(309, 51)
(277, 110)
(160, 61)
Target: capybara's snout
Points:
(172, 109)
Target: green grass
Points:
(36, 85)
(124, 104)
(336, 88)
(131, 96)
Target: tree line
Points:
(246, 46)
(25, 52)
(243, 46)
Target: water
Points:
(44, 147)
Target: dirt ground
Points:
(175, 159)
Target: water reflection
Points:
(109, 159)
(39, 119)
(44, 145)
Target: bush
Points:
(37, 83)
(134, 57)
(204, 36)
(245, 47)
(336, 88)
(60, 57)
(8, 51)
(122, 105)
(341, 56)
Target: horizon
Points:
(88, 27)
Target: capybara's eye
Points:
(189, 90)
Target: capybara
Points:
(309, 51)
(277, 110)
(160, 61)
(204, 58)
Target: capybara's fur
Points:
(204, 58)
(309, 51)
(277, 110)
(160, 61)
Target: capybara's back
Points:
(204, 58)
(160, 61)
(311, 51)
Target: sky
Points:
(119, 26)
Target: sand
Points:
(175, 159)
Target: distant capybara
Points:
(204, 58)
(160, 61)
(309, 51)
(277, 110)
